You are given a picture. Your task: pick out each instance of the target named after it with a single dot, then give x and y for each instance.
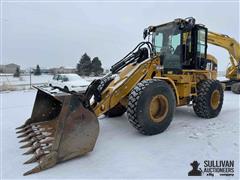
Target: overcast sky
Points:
(57, 34)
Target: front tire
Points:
(209, 100)
(151, 106)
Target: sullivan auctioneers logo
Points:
(212, 168)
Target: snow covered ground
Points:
(121, 152)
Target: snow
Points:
(222, 78)
(121, 152)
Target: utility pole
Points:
(30, 78)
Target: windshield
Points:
(167, 42)
(167, 39)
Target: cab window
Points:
(175, 41)
(167, 42)
(158, 41)
(201, 45)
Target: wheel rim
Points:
(158, 108)
(215, 99)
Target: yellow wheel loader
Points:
(168, 70)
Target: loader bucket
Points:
(60, 128)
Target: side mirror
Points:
(145, 33)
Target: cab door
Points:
(200, 46)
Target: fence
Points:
(25, 81)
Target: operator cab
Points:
(181, 44)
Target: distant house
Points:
(9, 68)
(62, 70)
(44, 70)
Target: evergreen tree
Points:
(37, 71)
(17, 72)
(96, 66)
(84, 65)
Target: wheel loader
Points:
(168, 70)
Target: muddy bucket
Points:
(60, 128)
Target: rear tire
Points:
(116, 111)
(151, 106)
(235, 88)
(209, 100)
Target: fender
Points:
(171, 82)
